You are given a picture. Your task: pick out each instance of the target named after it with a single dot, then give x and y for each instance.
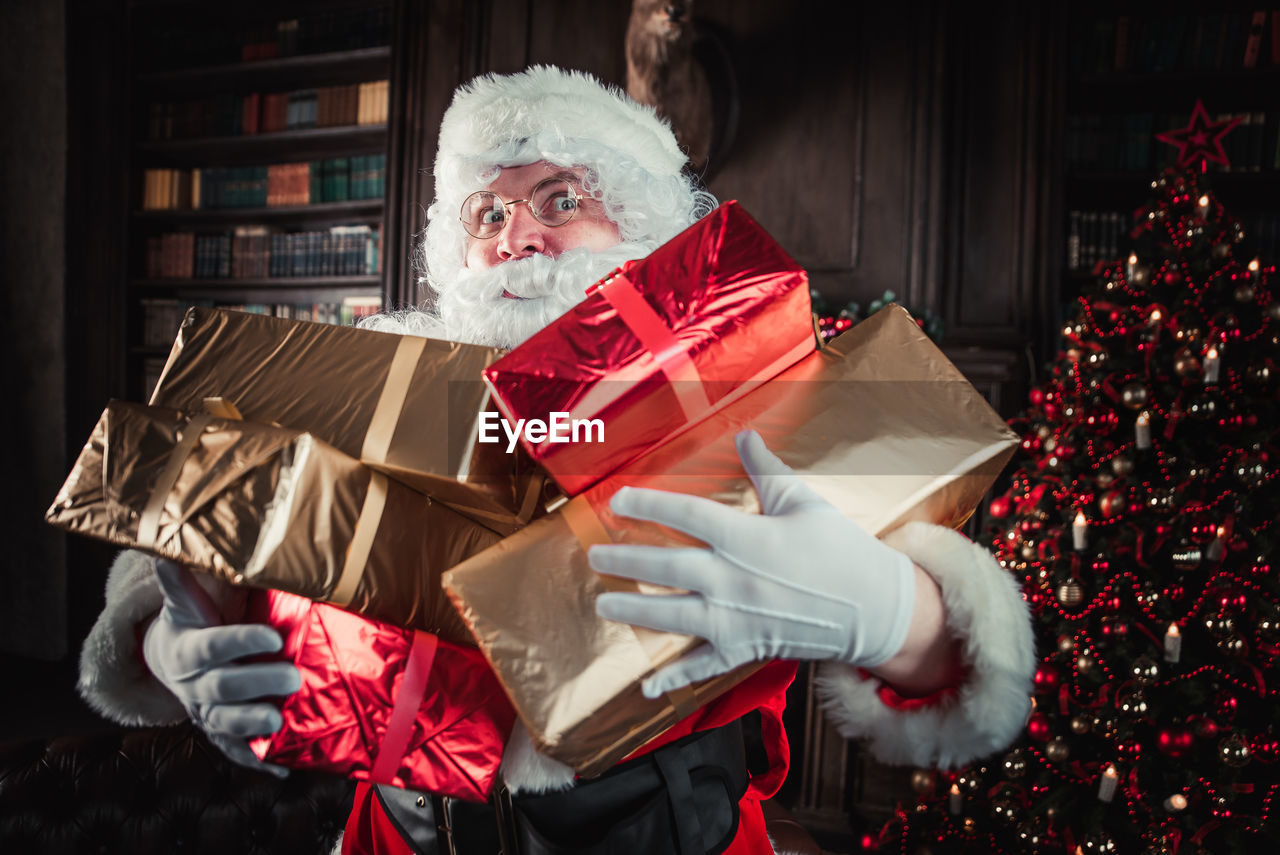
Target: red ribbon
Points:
(395, 742)
(672, 357)
(1204, 831)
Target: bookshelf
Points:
(258, 165)
(1134, 70)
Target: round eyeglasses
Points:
(553, 202)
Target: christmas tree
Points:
(1141, 519)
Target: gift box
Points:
(383, 704)
(878, 422)
(656, 347)
(268, 507)
(405, 405)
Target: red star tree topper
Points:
(1200, 139)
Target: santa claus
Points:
(545, 181)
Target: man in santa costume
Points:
(545, 181)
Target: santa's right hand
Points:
(197, 658)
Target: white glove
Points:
(798, 581)
(195, 658)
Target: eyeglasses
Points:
(553, 202)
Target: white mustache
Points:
(473, 309)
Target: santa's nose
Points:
(522, 235)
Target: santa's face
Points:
(523, 235)
(517, 282)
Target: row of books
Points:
(257, 112)
(336, 179)
(225, 40)
(1162, 42)
(1128, 142)
(254, 252)
(1101, 236)
(1094, 236)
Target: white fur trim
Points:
(524, 770)
(114, 680)
(985, 609)
(545, 113)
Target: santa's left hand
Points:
(798, 581)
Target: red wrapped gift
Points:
(656, 347)
(384, 704)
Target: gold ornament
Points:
(1186, 363)
(923, 781)
(1058, 749)
(1134, 705)
(1187, 558)
(1066, 643)
(1080, 725)
(1084, 663)
(1232, 645)
(1233, 751)
(1004, 810)
(1144, 669)
(970, 825)
(1015, 765)
(1220, 626)
(1134, 395)
(1098, 843)
(1243, 293)
(1070, 594)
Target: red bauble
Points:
(1036, 396)
(1176, 742)
(1206, 728)
(1266, 750)
(1000, 507)
(1047, 679)
(1112, 503)
(1129, 749)
(1171, 277)
(1226, 704)
(1038, 727)
(1064, 452)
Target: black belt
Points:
(681, 798)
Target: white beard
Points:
(473, 310)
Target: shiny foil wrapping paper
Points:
(406, 406)
(268, 507)
(659, 345)
(354, 671)
(879, 422)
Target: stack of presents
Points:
(426, 506)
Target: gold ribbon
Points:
(375, 500)
(395, 388)
(149, 521)
(590, 531)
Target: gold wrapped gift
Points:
(405, 405)
(879, 422)
(268, 507)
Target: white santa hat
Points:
(566, 118)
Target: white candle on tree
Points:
(1172, 644)
(1108, 783)
(1142, 430)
